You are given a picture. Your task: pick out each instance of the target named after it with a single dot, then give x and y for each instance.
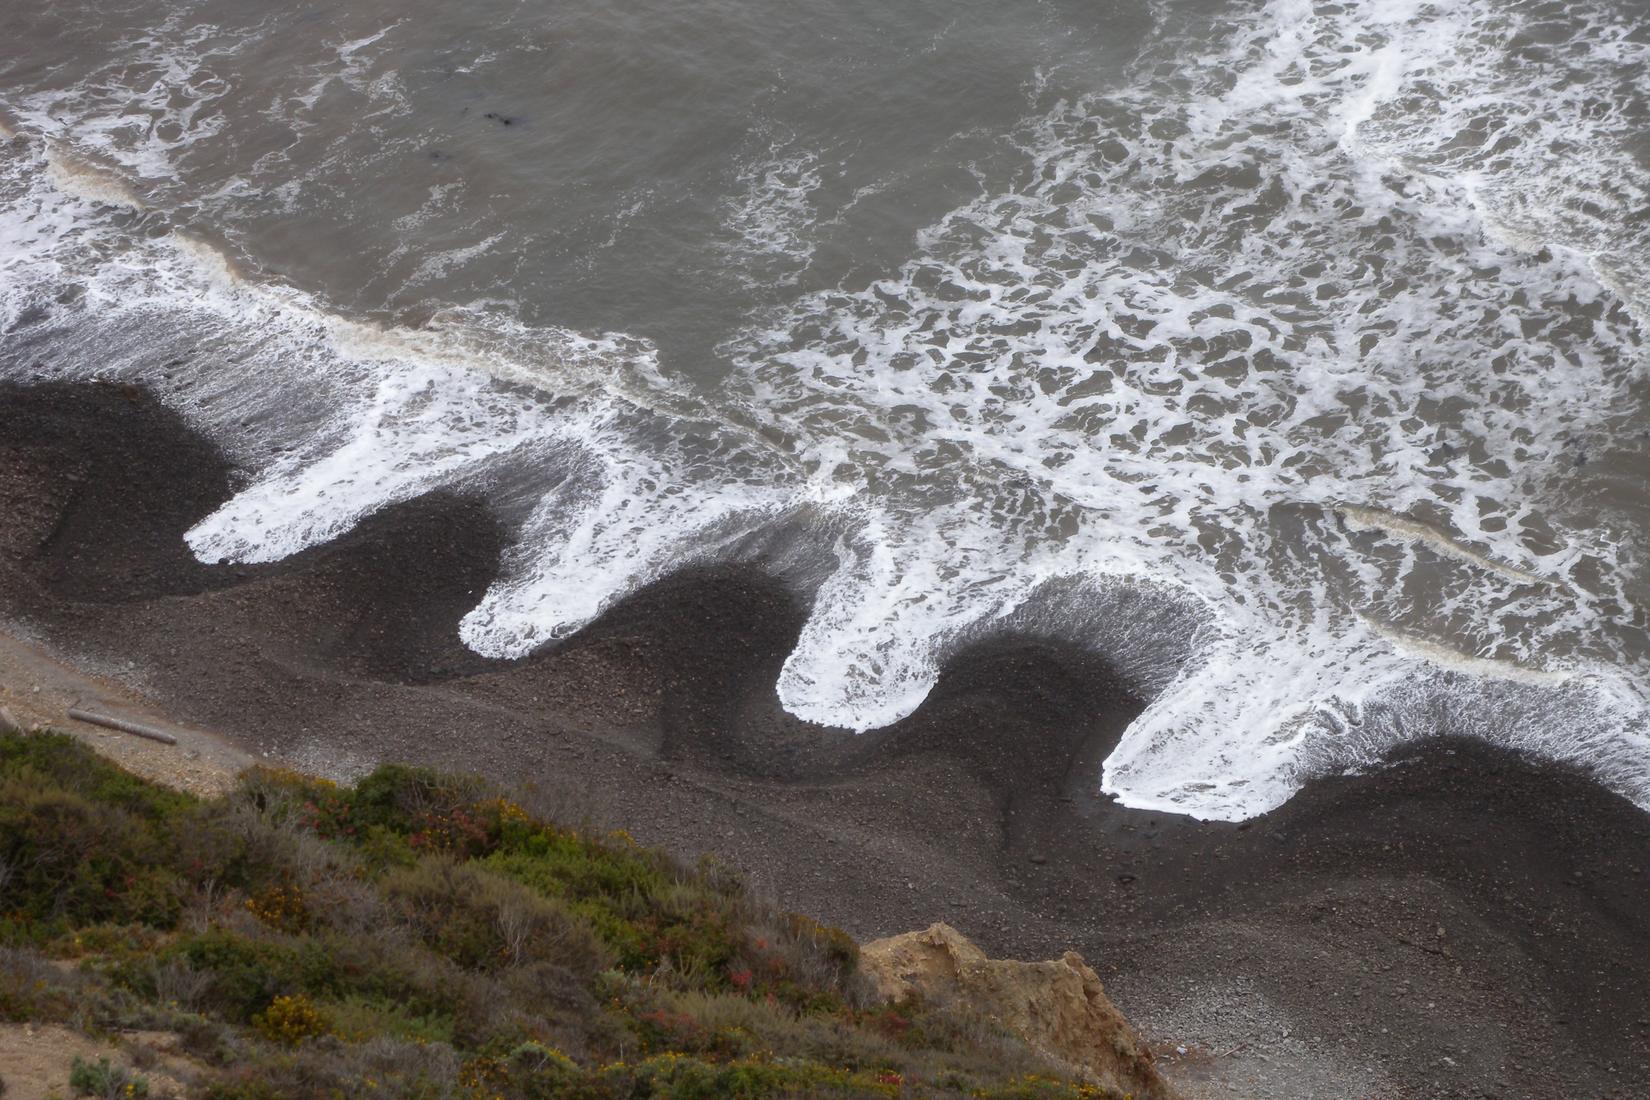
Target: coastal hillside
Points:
(418, 935)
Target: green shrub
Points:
(105, 1081)
(246, 975)
(84, 841)
(436, 813)
(358, 1018)
(281, 905)
(416, 936)
(207, 1039)
(384, 848)
(110, 941)
(327, 1070)
(483, 921)
(289, 1020)
(78, 861)
(643, 912)
(32, 989)
(58, 760)
(672, 1077)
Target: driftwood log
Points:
(137, 729)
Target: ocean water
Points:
(1291, 354)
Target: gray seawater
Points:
(1291, 354)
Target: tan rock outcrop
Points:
(1058, 1007)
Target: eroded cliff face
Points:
(1058, 1007)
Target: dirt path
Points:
(36, 1060)
(38, 688)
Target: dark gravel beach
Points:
(1458, 922)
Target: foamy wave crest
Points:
(773, 214)
(337, 418)
(1224, 306)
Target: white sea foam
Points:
(350, 65)
(1220, 293)
(1315, 256)
(138, 117)
(339, 417)
(773, 214)
(436, 264)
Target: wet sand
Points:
(1460, 922)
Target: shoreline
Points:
(1461, 922)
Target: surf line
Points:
(1449, 657)
(1358, 517)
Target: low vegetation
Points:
(420, 936)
